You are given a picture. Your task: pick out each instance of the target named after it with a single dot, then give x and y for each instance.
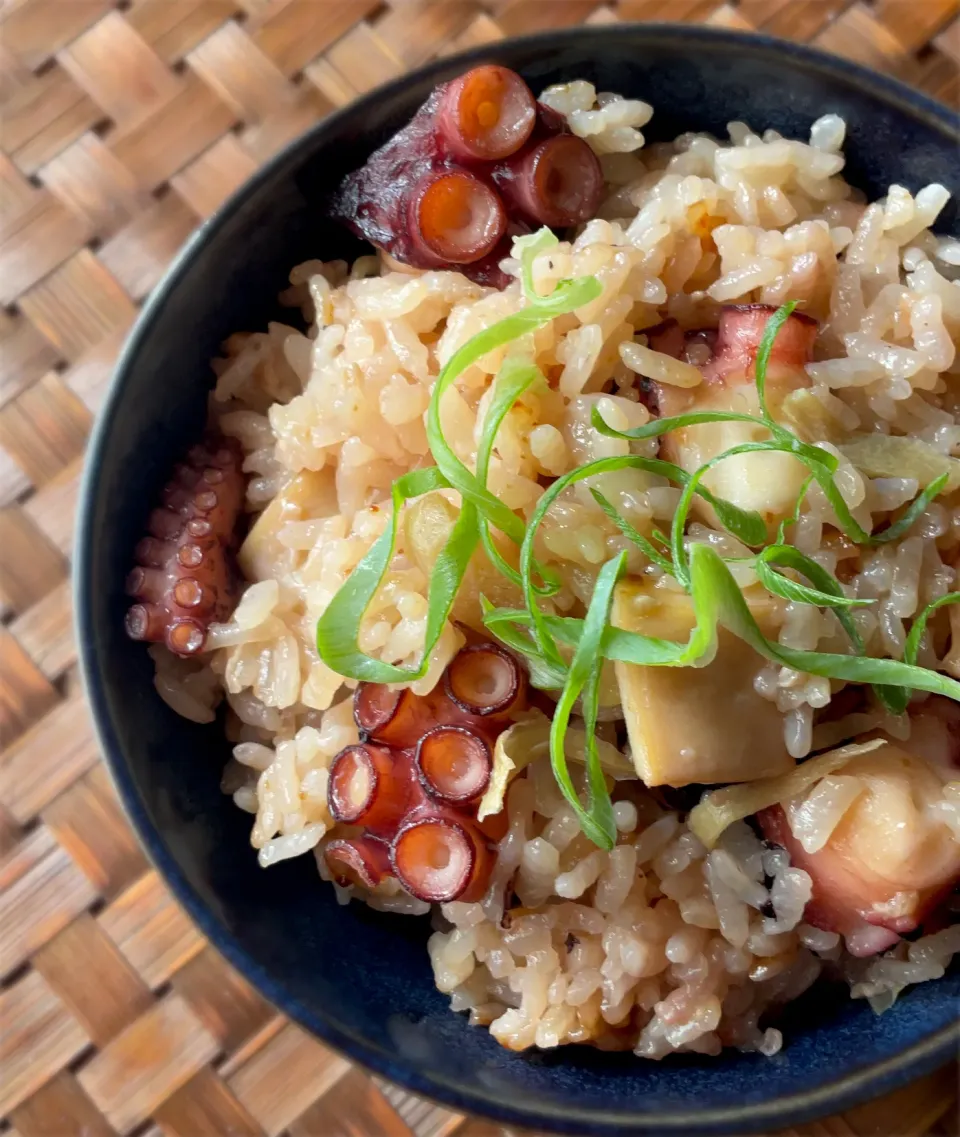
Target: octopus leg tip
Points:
(184, 573)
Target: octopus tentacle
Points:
(738, 339)
(483, 686)
(184, 577)
(727, 355)
(145, 622)
(417, 776)
(670, 339)
(666, 337)
(435, 193)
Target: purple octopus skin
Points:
(185, 576)
(372, 200)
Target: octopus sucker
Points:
(145, 622)
(556, 181)
(438, 859)
(486, 114)
(454, 764)
(394, 718)
(185, 637)
(375, 706)
(416, 778)
(190, 593)
(185, 576)
(150, 551)
(147, 583)
(364, 861)
(483, 680)
(163, 525)
(457, 217)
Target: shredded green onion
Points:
(912, 513)
(794, 517)
(742, 523)
(568, 296)
(649, 550)
(596, 819)
(786, 441)
(548, 641)
(717, 599)
(528, 248)
(516, 375)
(770, 333)
(897, 698)
(338, 627)
(826, 592)
(753, 533)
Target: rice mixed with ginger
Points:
(656, 945)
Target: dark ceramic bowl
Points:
(360, 980)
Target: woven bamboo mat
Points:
(124, 124)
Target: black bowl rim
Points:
(833, 1096)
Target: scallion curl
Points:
(583, 680)
(338, 628)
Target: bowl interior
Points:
(360, 979)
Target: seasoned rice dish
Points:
(576, 571)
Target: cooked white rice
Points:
(655, 946)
